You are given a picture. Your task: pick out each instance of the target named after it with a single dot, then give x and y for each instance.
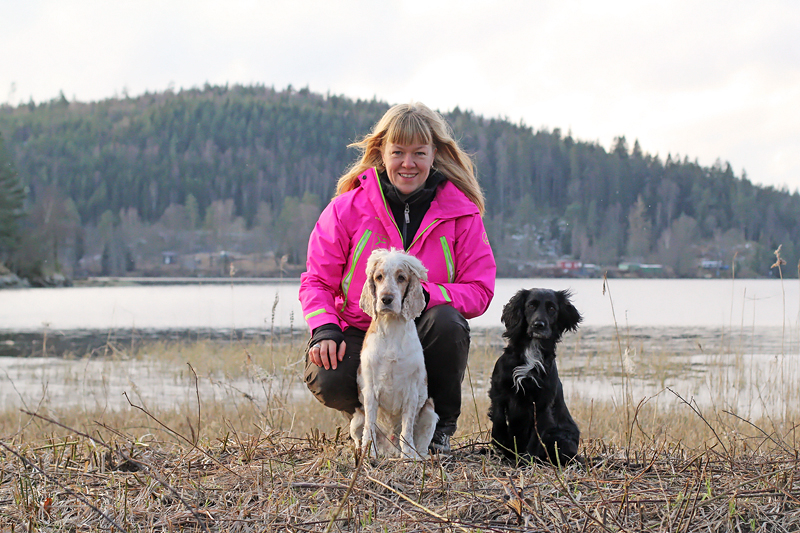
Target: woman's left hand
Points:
(325, 354)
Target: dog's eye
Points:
(378, 277)
(551, 308)
(401, 278)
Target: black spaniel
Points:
(528, 413)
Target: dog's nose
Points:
(387, 300)
(539, 324)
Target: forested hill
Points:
(269, 161)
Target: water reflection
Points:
(660, 365)
(102, 384)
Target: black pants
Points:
(444, 335)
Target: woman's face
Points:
(408, 165)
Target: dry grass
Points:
(271, 482)
(240, 450)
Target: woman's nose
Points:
(408, 161)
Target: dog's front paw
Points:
(369, 449)
(357, 426)
(409, 452)
(370, 444)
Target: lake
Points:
(751, 303)
(757, 318)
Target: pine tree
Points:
(639, 231)
(12, 196)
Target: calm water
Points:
(757, 312)
(634, 302)
(750, 385)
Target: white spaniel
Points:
(392, 382)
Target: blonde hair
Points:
(415, 123)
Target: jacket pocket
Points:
(448, 259)
(362, 242)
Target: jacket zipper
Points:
(405, 225)
(421, 233)
(391, 217)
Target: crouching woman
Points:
(413, 189)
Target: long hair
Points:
(416, 123)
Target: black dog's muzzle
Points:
(539, 329)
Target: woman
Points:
(413, 189)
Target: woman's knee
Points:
(331, 389)
(444, 333)
(336, 389)
(443, 321)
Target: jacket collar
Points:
(448, 203)
(424, 193)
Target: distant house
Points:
(652, 269)
(641, 269)
(169, 258)
(711, 264)
(569, 265)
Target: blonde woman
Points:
(413, 189)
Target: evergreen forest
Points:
(230, 180)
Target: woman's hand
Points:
(324, 354)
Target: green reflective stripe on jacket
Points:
(421, 233)
(356, 255)
(444, 293)
(314, 313)
(386, 206)
(448, 258)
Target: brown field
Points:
(682, 431)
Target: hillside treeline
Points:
(130, 181)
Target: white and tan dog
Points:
(392, 382)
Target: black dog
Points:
(528, 413)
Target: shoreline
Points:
(106, 281)
(97, 342)
(685, 340)
(7, 282)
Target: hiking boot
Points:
(440, 443)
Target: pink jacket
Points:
(451, 243)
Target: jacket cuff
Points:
(326, 332)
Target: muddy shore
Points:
(676, 340)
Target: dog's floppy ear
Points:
(513, 316)
(367, 301)
(568, 315)
(414, 298)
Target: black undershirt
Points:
(415, 204)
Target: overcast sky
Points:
(703, 79)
